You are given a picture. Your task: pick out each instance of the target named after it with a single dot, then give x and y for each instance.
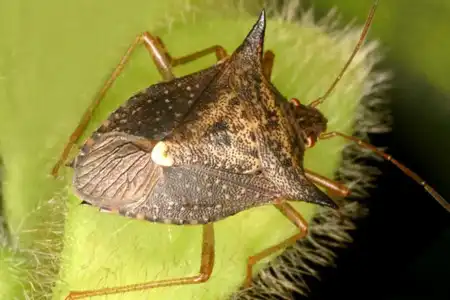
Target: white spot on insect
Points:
(205, 219)
(191, 95)
(180, 175)
(177, 115)
(198, 189)
(190, 101)
(182, 208)
(149, 101)
(205, 162)
(224, 187)
(178, 84)
(170, 107)
(197, 86)
(195, 207)
(193, 222)
(166, 92)
(206, 177)
(209, 194)
(243, 191)
(171, 203)
(188, 88)
(218, 206)
(157, 119)
(227, 196)
(257, 195)
(186, 185)
(191, 214)
(167, 100)
(208, 185)
(160, 155)
(217, 181)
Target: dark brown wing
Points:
(157, 110)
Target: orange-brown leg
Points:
(388, 157)
(333, 187)
(164, 63)
(267, 64)
(206, 268)
(296, 218)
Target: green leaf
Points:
(54, 59)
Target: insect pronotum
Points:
(225, 122)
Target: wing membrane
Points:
(116, 170)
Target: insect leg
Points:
(164, 63)
(388, 157)
(206, 267)
(220, 52)
(267, 63)
(333, 187)
(159, 59)
(296, 218)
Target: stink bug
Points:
(161, 155)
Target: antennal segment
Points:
(355, 50)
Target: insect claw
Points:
(70, 164)
(160, 155)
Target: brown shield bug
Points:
(200, 148)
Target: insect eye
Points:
(295, 101)
(310, 142)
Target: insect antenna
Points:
(355, 50)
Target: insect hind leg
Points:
(389, 157)
(206, 267)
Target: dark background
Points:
(402, 250)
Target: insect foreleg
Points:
(164, 63)
(335, 188)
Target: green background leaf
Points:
(54, 58)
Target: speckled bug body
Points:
(206, 146)
(234, 140)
